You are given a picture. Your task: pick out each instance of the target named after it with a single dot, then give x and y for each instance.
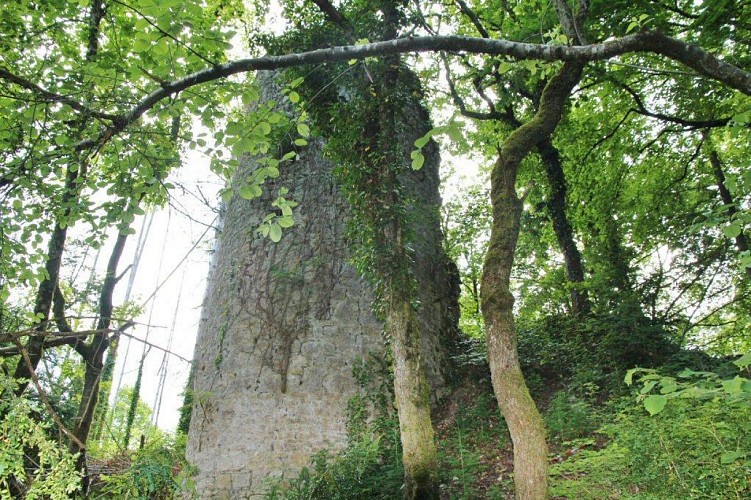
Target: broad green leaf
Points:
(246, 192)
(294, 97)
(648, 386)
(733, 386)
(286, 221)
(655, 403)
(743, 361)
(418, 161)
(732, 231)
(668, 386)
(303, 129)
(422, 141)
(275, 232)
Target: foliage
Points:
(114, 431)
(658, 389)
(688, 451)
(32, 463)
(157, 471)
(475, 436)
(570, 416)
(597, 350)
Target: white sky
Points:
(177, 234)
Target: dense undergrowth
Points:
(604, 442)
(607, 438)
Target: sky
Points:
(175, 258)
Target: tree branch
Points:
(51, 97)
(45, 399)
(648, 41)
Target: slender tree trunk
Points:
(524, 421)
(564, 233)
(93, 355)
(741, 242)
(522, 417)
(413, 400)
(46, 291)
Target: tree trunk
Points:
(93, 356)
(46, 290)
(412, 395)
(741, 242)
(522, 417)
(524, 422)
(564, 233)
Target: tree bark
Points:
(564, 233)
(93, 356)
(522, 417)
(412, 395)
(46, 290)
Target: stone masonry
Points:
(284, 322)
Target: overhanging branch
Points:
(687, 54)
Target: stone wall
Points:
(283, 324)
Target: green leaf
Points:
(418, 161)
(655, 403)
(249, 191)
(733, 386)
(422, 141)
(275, 232)
(731, 456)
(454, 132)
(732, 230)
(286, 221)
(141, 45)
(648, 387)
(301, 142)
(303, 130)
(226, 195)
(264, 128)
(294, 97)
(743, 361)
(668, 386)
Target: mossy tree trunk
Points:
(411, 388)
(412, 395)
(522, 417)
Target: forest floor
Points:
(474, 445)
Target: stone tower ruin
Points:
(283, 323)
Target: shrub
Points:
(569, 417)
(32, 464)
(691, 449)
(156, 472)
